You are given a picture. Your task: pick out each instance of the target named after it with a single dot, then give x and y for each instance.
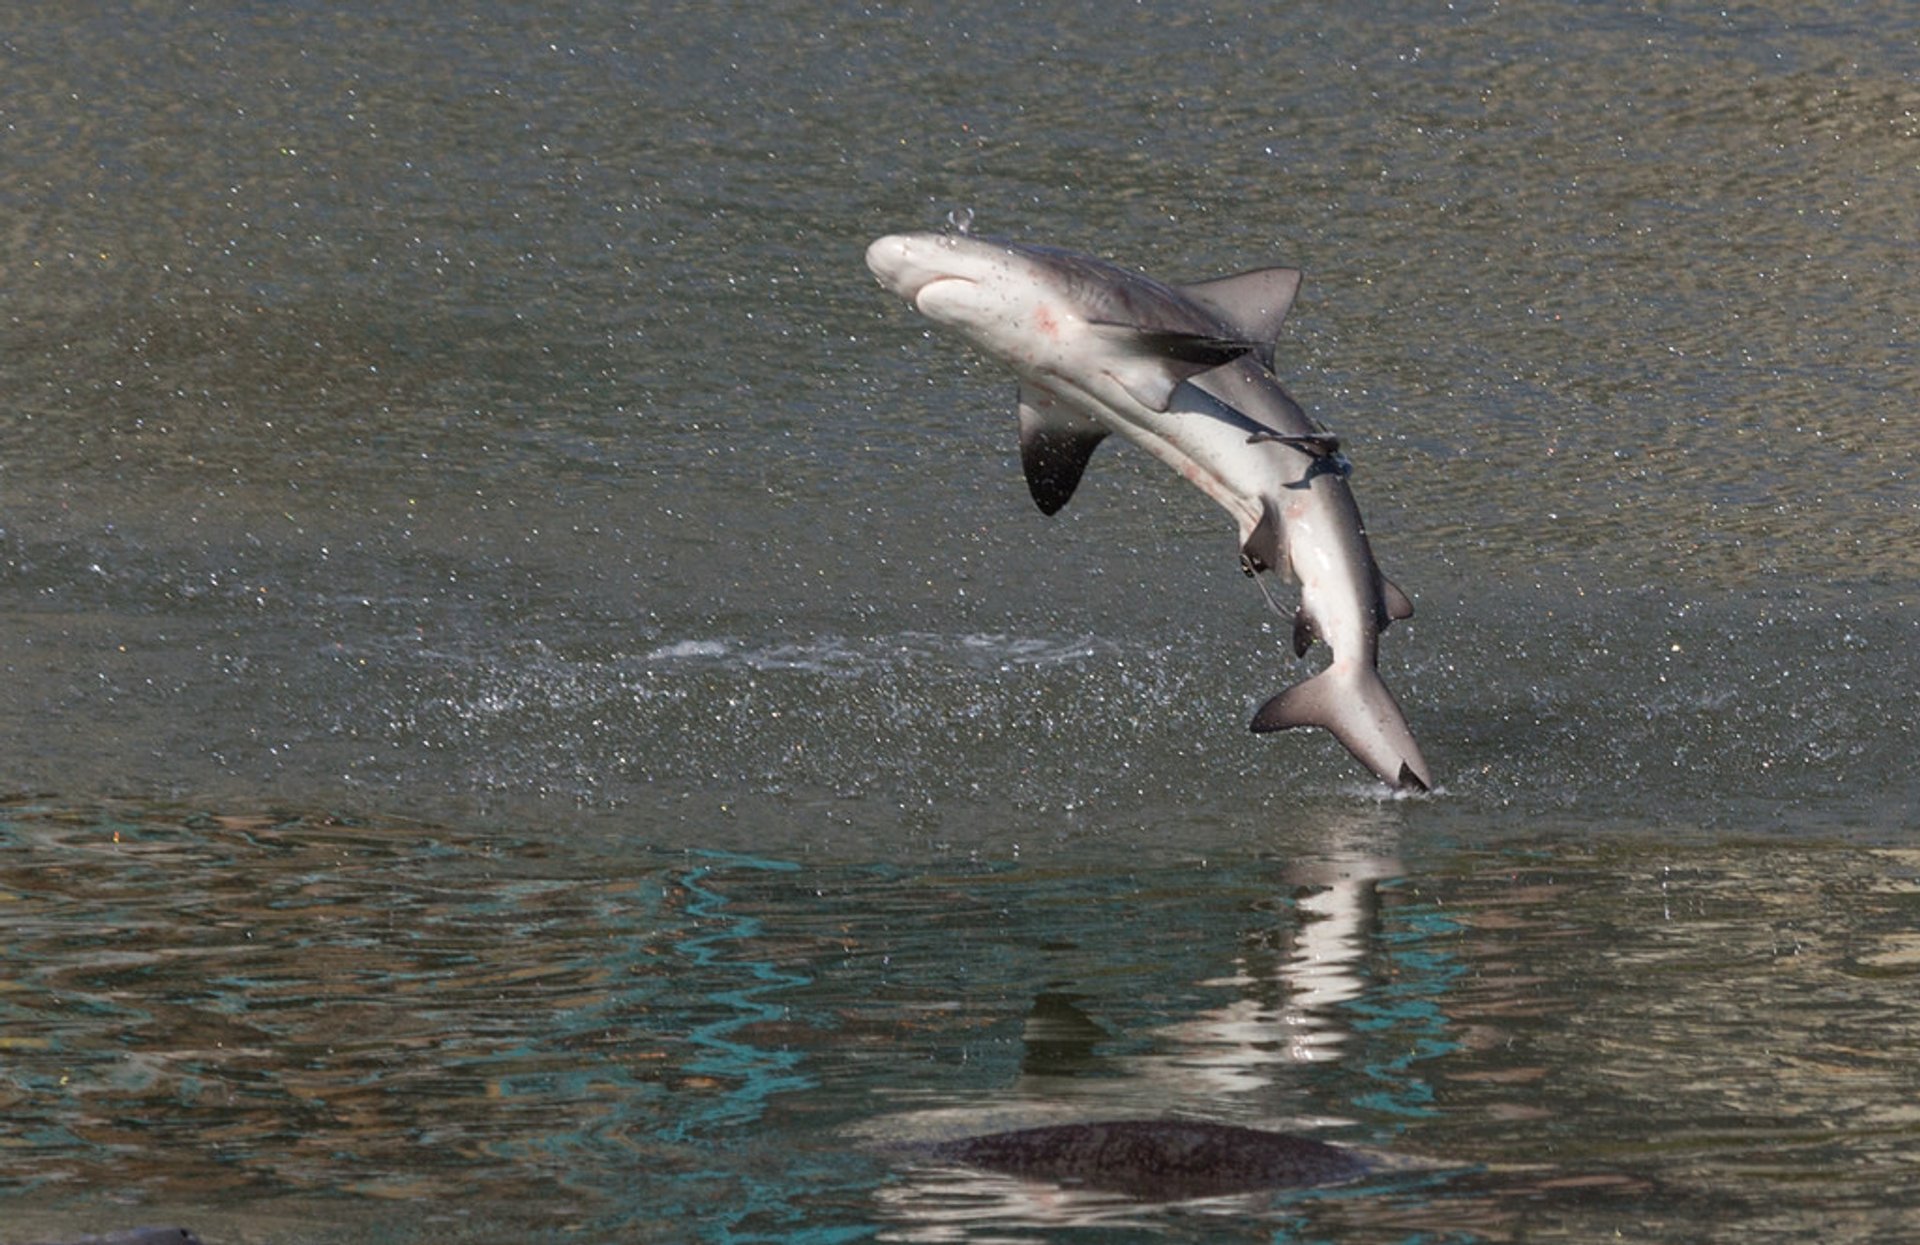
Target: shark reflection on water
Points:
(1090, 1124)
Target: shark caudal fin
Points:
(1354, 704)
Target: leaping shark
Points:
(1184, 372)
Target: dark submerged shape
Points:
(136, 1236)
(1159, 1160)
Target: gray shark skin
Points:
(1185, 373)
(1158, 1160)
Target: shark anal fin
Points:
(1055, 443)
(1399, 605)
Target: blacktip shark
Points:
(1184, 372)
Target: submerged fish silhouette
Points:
(1158, 1160)
(137, 1236)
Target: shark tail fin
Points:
(1355, 705)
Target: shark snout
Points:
(891, 259)
(908, 263)
(883, 254)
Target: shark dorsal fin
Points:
(1253, 304)
(1055, 443)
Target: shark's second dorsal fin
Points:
(1055, 443)
(1252, 304)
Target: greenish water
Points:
(533, 698)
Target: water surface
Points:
(315, 1029)
(533, 696)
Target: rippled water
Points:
(315, 1029)
(533, 698)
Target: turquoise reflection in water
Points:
(759, 1073)
(1408, 1008)
(728, 1198)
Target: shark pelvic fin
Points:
(1304, 632)
(1262, 550)
(1253, 304)
(1055, 443)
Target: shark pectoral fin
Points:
(1304, 632)
(1157, 360)
(1262, 550)
(1399, 604)
(1253, 304)
(1055, 443)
